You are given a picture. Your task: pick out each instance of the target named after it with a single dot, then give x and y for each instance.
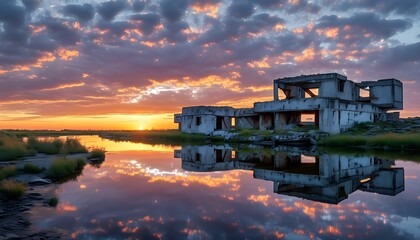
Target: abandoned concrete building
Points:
(329, 101)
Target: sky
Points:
(132, 64)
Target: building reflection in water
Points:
(327, 178)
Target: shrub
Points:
(61, 168)
(32, 168)
(73, 145)
(56, 145)
(12, 189)
(53, 202)
(97, 153)
(47, 146)
(7, 171)
(11, 148)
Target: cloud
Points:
(362, 28)
(61, 32)
(241, 9)
(11, 14)
(137, 47)
(269, 3)
(303, 5)
(138, 5)
(31, 5)
(173, 11)
(147, 22)
(408, 7)
(395, 57)
(82, 13)
(108, 10)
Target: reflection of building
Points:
(212, 158)
(331, 178)
(330, 101)
(325, 178)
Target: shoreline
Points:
(15, 214)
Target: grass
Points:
(12, 189)
(53, 202)
(47, 146)
(171, 137)
(73, 145)
(97, 153)
(62, 168)
(386, 141)
(7, 171)
(11, 148)
(32, 168)
(251, 132)
(56, 145)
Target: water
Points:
(214, 192)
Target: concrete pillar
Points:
(280, 120)
(276, 91)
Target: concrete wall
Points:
(266, 121)
(388, 95)
(251, 122)
(335, 115)
(204, 119)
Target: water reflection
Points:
(319, 177)
(149, 194)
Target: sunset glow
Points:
(132, 64)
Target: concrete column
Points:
(276, 91)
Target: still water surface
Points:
(206, 192)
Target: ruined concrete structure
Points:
(324, 178)
(330, 101)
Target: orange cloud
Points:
(263, 199)
(259, 64)
(307, 55)
(64, 86)
(211, 10)
(67, 55)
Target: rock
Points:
(256, 138)
(39, 181)
(35, 196)
(219, 133)
(230, 135)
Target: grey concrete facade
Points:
(332, 102)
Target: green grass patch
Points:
(96, 153)
(53, 202)
(251, 132)
(170, 137)
(62, 168)
(11, 147)
(56, 145)
(12, 189)
(47, 146)
(7, 171)
(32, 168)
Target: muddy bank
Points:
(15, 217)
